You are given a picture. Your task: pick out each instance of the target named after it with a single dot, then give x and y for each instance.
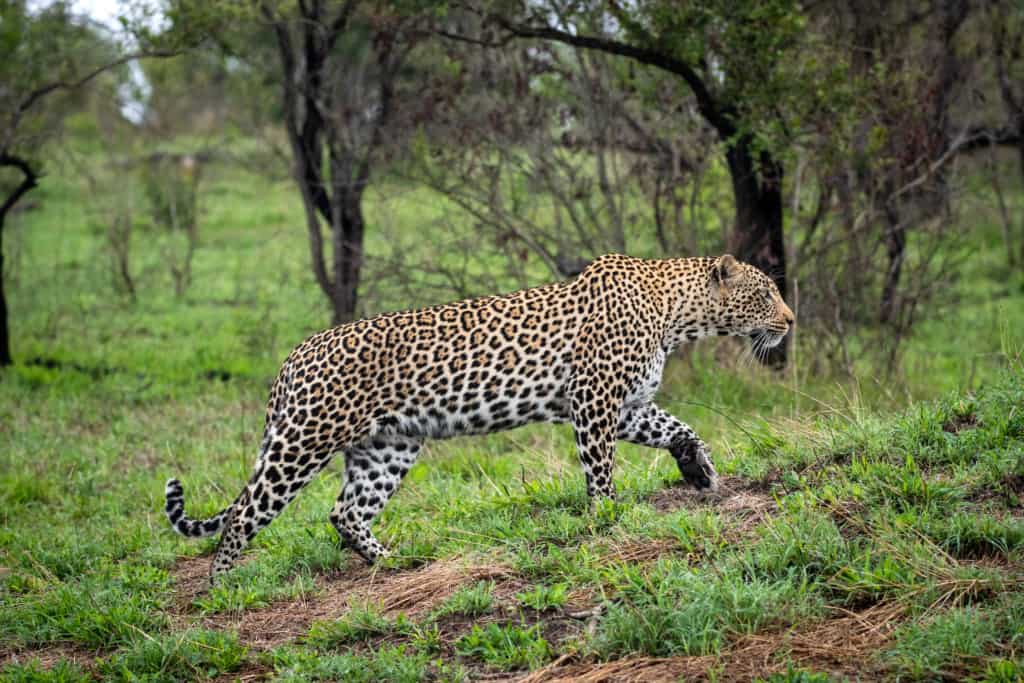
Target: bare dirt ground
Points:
(49, 656)
(414, 592)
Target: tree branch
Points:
(981, 137)
(302, 136)
(475, 41)
(29, 181)
(1006, 90)
(337, 27)
(969, 140)
(718, 115)
(44, 90)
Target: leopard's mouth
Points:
(766, 338)
(774, 338)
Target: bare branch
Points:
(44, 90)
(717, 115)
(1006, 90)
(981, 137)
(29, 180)
(967, 141)
(475, 41)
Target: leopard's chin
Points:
(765, 338)
(773, 339)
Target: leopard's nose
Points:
(787, 315)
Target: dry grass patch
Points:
(734, 494)
(633, 669)
(747, 509)
(191, 577)
(841, 645)
(49, 656)
(248, 673)
(420, 591)
(745, 502)
(641, 550)
(412, 592)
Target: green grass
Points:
(34, 672)
(850, 493)
(360, 623)
(545, 597)
(926, 649)
(104, 608)
(395, 664)
(505, 647)
(181, 656)
(671, 609)
(469, 601)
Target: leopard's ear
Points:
(726, 273)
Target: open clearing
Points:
(867, 530)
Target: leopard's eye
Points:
(767, 294)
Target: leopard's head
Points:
(748, 303)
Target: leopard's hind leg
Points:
(373, 471)
(282, 470)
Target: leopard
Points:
(589, 351)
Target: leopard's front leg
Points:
(593, 419)
(648, 425)
(595, 400)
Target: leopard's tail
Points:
(182, 523)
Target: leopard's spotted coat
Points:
(589, 351)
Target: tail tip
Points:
(172, 488)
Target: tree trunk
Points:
(344, 216)
(758, 230)
(28, 182)
(895, 245)
(1020, 152)
(330, 195)
(5, 335)
(347, 231)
